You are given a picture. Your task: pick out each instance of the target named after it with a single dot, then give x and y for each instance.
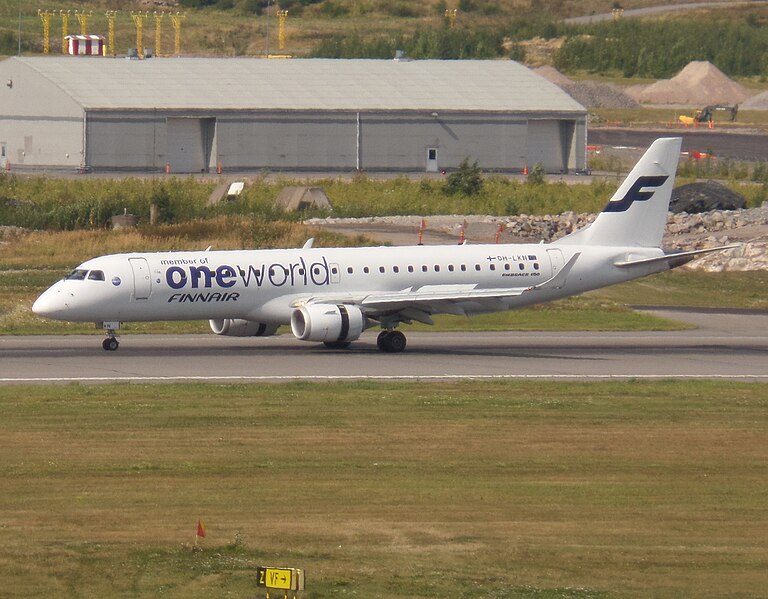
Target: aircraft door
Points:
(142, 283)
(556, 260)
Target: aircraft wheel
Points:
(391, 341)
(380, 340)
(337, 344)
(396, 342)
(110, 344)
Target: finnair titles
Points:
(332, 295)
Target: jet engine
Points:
(237, 327)
(330, 323)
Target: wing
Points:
(418, 302)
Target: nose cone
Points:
(52, 303)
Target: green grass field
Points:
(488, 490)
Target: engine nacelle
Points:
(237, 327)
(328, 322)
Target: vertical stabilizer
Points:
(637, 213)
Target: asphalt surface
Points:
(725, 345)
(723, 144)
(658, 10)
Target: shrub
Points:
(537, 174)
(466, 180)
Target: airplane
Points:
(332, 295)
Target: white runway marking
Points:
(384, 378)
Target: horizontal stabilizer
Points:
(675, 259)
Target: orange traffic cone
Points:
(525, 169)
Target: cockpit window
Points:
(77, 275)
(96, 275)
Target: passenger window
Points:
(522, 266)
(535, 266)
(507, 266)
(493, 267)
(450, 267)
(410, 268)
(366, 270)
(463, 268)
(395, 269)
(96, 275)
(424, 268)
(437, 268)
(477, 267)
(78, 274)
(350, 270)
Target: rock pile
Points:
(684, 232)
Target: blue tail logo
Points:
(636, 193)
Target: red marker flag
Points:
(200, 529)
(421, 230)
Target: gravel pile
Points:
(589, 94)
(700, 83)
(758, 102)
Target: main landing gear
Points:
(391, 341)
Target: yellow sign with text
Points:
(277, 578)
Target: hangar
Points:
(192, 115)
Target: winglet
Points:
(559, 279)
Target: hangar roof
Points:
(301, 84)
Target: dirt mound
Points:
(590, 94)
(759, 102)
(699, 83)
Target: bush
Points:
(467, 180)
(537, 174)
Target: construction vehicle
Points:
(707, 114)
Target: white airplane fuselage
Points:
(267, 285)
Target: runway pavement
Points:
(726, 345)
(750, 146)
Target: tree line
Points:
(659, 49)
(633, 47)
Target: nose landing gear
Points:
(110, 343)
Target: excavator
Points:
(707, 114)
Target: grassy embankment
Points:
(386, 490)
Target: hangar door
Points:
(190, 144)
(549, 142)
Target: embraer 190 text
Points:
(333, 295)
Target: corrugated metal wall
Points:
(305, 141)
